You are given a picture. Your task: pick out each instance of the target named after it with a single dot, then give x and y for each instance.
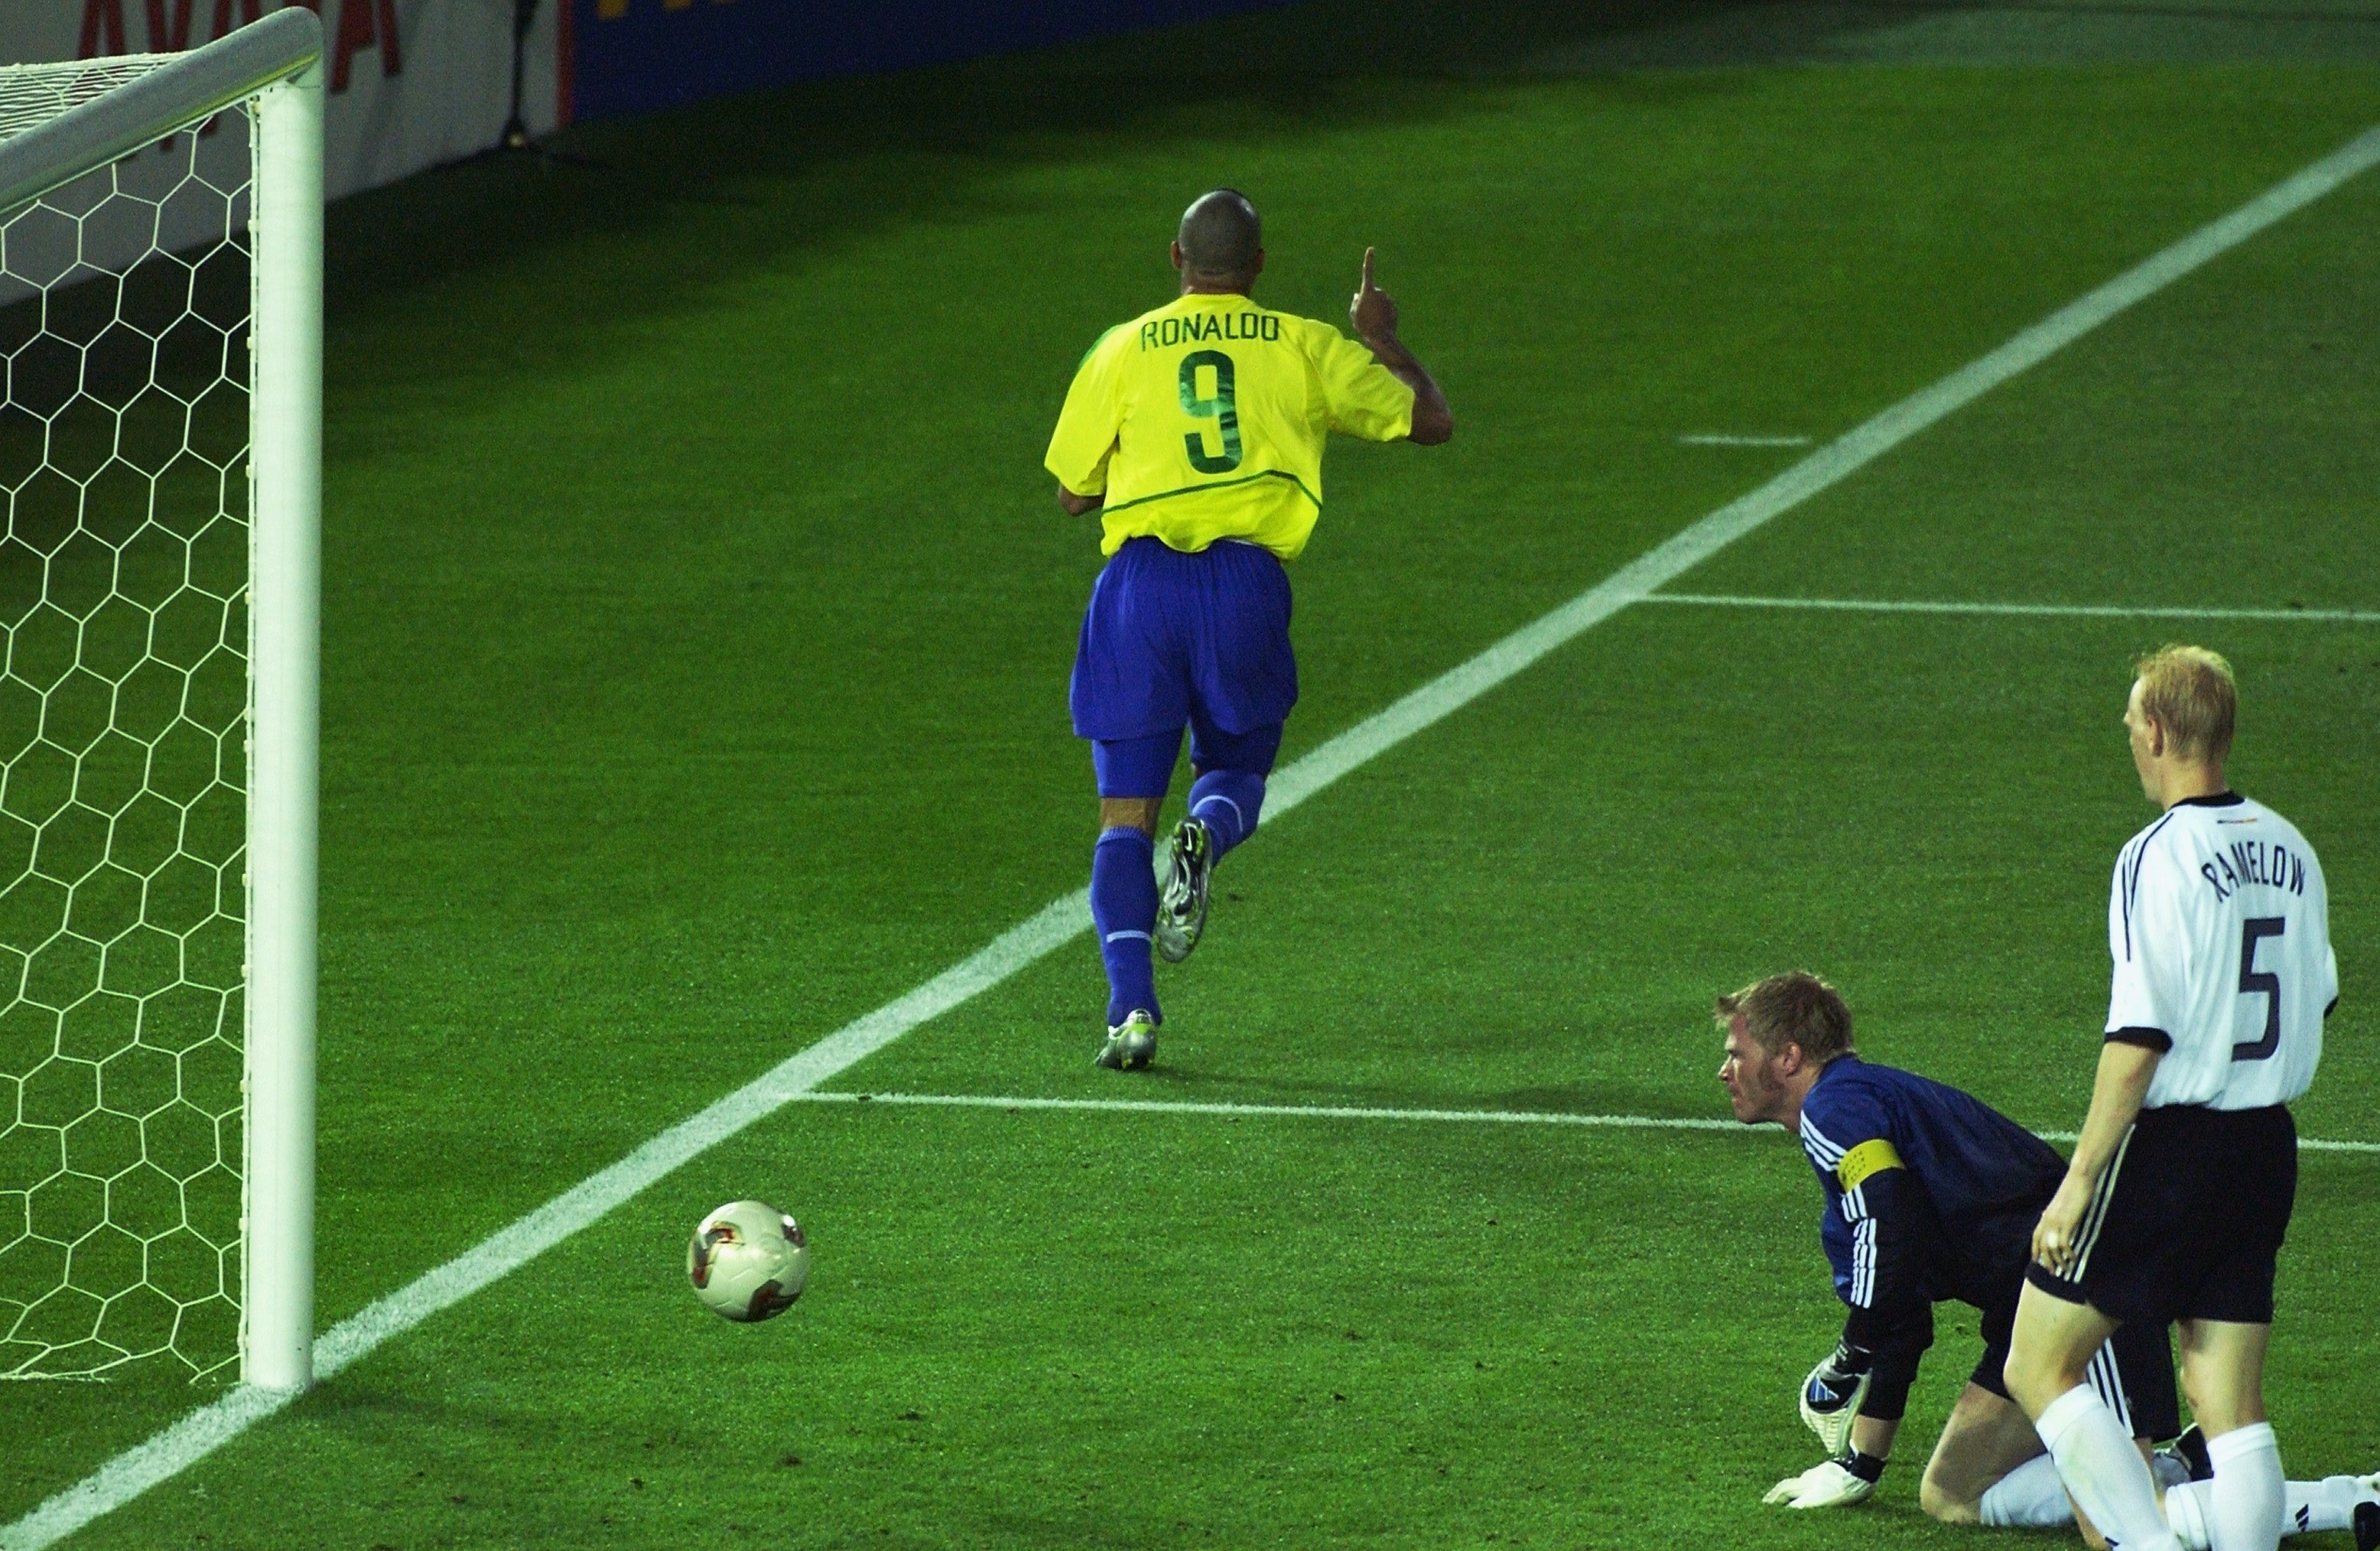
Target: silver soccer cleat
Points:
(1130, 1044)
(1182, 903)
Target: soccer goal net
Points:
(159, 461)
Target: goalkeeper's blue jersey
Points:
(1981, 1180)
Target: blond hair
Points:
(2188, 691)
(1794, 1008)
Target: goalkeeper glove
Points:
(1835, 1484)
(1832, 1395)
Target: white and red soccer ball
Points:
(747, 1261)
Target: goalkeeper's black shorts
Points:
(2133, 1373)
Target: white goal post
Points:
(161, 313)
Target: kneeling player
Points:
(1931, 1195)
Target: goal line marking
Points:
(1375, 1113)
(1063, 919)
(2078, 611)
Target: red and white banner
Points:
(412, 82)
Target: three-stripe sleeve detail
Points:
(1822, 1151)
(1828, 1156)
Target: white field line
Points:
(1371, 1112)
(1715, 439)
(173, 1450)
(2305, 1143)
(1299, 1111)
(2079, 611)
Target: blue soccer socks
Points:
(1226, 802)
(1123, 910)
(1124, 899)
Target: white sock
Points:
(2310, 1507)
(2105, 1473)
(2307, 1507)
(2029, 1497)
(2244, 1503)
(2185, 1509)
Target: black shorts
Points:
(2188, 1221)
(2133, 1373)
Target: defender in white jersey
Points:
(2219, 927)
(2178, 1193)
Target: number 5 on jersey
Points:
(2254, 980)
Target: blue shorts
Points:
(1143, 767)
(1174, 640)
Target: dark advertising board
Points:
(630, 55)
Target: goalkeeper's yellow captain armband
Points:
(1868, 1157)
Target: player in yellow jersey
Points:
(1196, 431)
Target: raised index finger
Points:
(1368, 271)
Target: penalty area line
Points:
(2060, 611)
(1373, 1112)
(1063, 919)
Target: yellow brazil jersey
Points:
(1205, 420)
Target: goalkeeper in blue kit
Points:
(1931, 1196)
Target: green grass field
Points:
(697, 623)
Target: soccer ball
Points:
(747, 1261)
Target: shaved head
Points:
(1220, 240)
